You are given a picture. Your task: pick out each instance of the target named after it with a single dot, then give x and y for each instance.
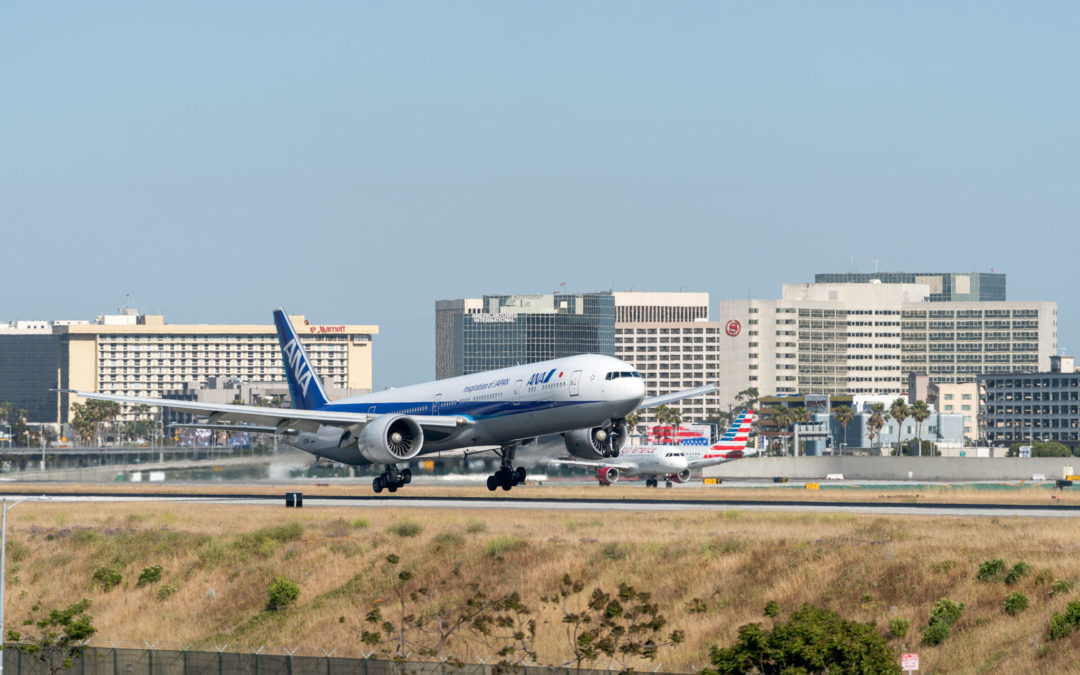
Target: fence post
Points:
(150, 655)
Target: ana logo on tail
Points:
(295, 358)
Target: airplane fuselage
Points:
(500, 406)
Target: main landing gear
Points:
(507, 476)
(653, 482)
(391, 479)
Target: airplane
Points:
(672, 462)
(586, 398)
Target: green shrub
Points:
(944, 567)
(1015, 603)
(1018, 572)
(615, 551)
(812, 640)
(165, 590)
(1061, 586)
(108, 577)
(991, 570)
(150, 575)
(282, 593)
(1063, 623)
(898, 627)
(446, 541)
(360, 523)
(504, 544)
(17, 551)
(772, 609)
(406, 528)
(934, 634)
(946, 613)
(1043, 577)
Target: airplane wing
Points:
(664, 399)
(280, 419)
(249, 428)
(622, 466)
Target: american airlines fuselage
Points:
(497, 406)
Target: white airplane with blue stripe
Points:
(585, 398)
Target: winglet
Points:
(304, 385)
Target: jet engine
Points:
(681, 477)
(596, 443)
(607, 475)
(389, 439)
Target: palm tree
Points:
(675, 417)
(899, 411)
(919, 412)
(632, 421)
(781, 418)
(663, 417)
(800, 415)
(747, 398)
(844, 416)
(876, 422)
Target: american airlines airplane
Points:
(585, 398)
(672, 462)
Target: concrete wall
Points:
(897, 468)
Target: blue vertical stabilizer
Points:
(304, 384)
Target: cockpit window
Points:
(617, 375)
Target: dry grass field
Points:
(218, 561)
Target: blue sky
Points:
(354, 162)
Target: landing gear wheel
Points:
(377, 484)
(649, 482)
(506, 476)
(392, 488)
(669, 483)
(406, 476)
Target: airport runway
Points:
(563, 504)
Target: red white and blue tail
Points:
(732, 445)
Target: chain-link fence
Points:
(117, 661)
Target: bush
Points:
(946, 613)
(166, 590)
(446, 541)
(1018, 572)
(283, 592)
(991, 570)
(772, 609)
(108, 577)
(1015, 603)
(812, 640)
(406, 528)
(898, 627)
(360, 523)
(615, 551)
(150, 575)
(1061, 586)
(474, 525)
(501, 545)
(1063, 623)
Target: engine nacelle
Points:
(389, 439)
(596, 443)
(681, 477)
(607, 475)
